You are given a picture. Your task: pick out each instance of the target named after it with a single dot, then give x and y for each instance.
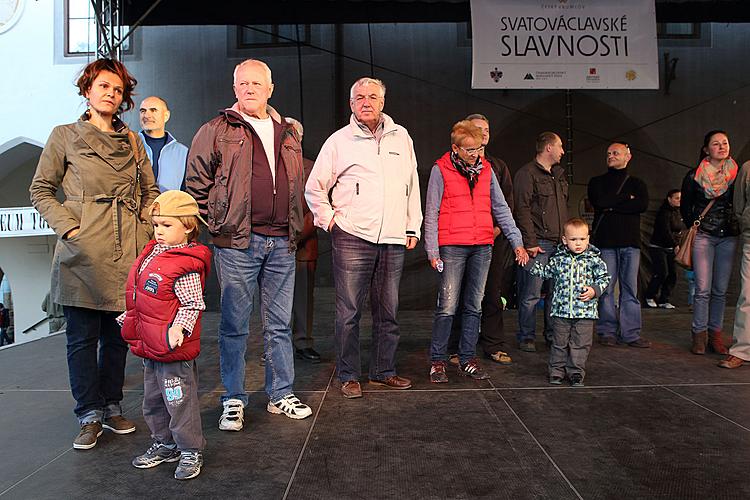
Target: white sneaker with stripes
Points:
(290, 406)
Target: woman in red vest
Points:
(465, 211)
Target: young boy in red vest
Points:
(164, 300)
(465, 207)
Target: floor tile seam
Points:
(307, 438)
(724, 417)
(35, 471)
(462, 389)
(533, 437)
(667, 388)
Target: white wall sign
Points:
(22, 221)
(571, 44)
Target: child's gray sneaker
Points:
(189, 466)
(156, 454)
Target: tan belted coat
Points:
(97, 174)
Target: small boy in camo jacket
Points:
(580, 275)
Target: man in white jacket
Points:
(374, 214)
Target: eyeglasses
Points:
(472, 151)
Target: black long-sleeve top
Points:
(617, 217)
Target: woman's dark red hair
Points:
(92, 70)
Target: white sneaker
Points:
(651, 303)
(233, 416)
(667, 305)
(290, 406)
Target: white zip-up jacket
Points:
(375, 184)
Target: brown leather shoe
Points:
(351, 389)
(394, 382)
(731, 362)
(699, 343)
(716, 343)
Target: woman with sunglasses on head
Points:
(107, 183)
(707, 193)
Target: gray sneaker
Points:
(190, 465)
(156, 454)
(86, 439)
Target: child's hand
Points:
(175, 336)
(587, 294)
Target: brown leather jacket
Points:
(218, 176)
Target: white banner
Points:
(22, 221)
(566, 44)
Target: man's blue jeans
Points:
(266, 264)
(464, 267)
(529, 293)
(622, 264)
(359, 266)
(713, 257)
(96, 362)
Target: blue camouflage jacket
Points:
(572, 273)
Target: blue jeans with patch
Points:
(713, 257)
(267, 265)
(529, 293)
(622, 264)
(359, 266)
(464, 267)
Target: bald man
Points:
(166, 154)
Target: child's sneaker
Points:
(290, 406)
(437, 373)
(555, 380)
(156, 454)
(472, 369)
(576, 380)
(189, 466)
(233, 416)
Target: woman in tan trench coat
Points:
(108, 185)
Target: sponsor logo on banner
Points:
(563, 41)
(593, 76)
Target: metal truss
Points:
(109, 29)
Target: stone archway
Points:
(25, 260)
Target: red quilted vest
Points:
(152, 304)
(465, 217)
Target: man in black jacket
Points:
(540, 195)
(619, 200)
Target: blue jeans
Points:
(359, 266)
(622, 264)
(712, 262)
(96, 379)
(268, 265)
(529, 293)
(465, 267)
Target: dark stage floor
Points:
(650, 423)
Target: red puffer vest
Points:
(152, 304)
(465, 217)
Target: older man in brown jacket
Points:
(245, 171)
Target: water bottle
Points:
(440, 265)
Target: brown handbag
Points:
(683, 255)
